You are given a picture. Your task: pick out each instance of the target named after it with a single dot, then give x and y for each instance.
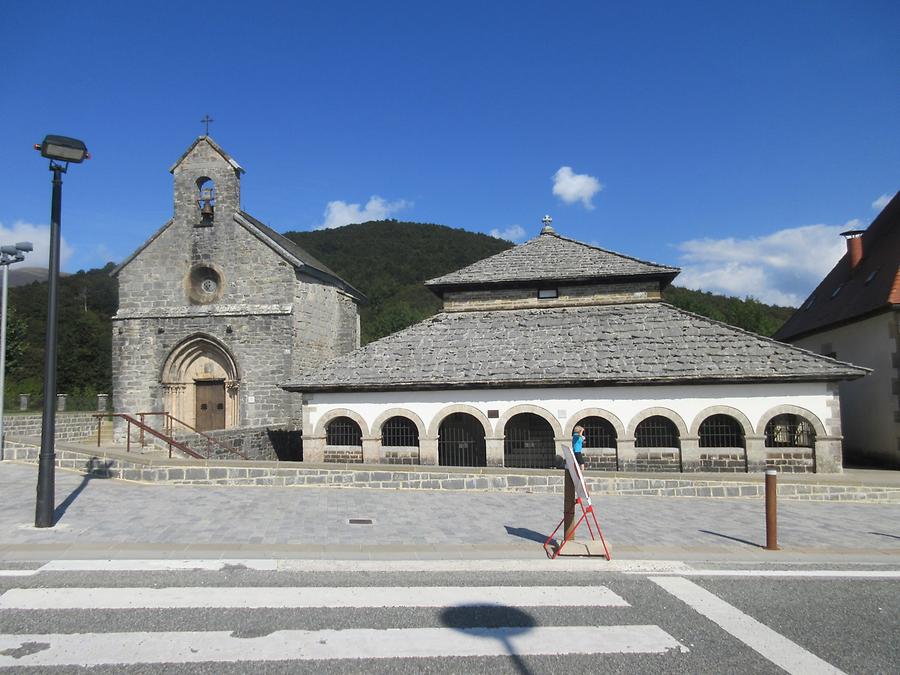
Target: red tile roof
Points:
(844, 294)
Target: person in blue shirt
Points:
(578, 444)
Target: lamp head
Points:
(8, 250)
(63, 149)
(25, 246)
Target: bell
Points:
(207, 210)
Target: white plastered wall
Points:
(565, 404)
(868, 404)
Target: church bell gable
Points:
(207, 185)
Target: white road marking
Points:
(305, 597)
(92, 649)
(640, 567)
(809, 574)
(297, 565)
(260, 564)
(17, 573)
(778, 649)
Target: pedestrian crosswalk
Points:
(116, 624)
(94, 649)
(306, 597)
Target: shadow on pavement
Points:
(525, 533)
(492, 622)
(737, 539)
(93, 469)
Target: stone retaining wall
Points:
(255, 443)
(70, 426)
(527, 481)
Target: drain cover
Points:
(360, 521)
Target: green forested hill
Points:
(387, 260)
(87, 300)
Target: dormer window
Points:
(871, 276)
(547, 293)
(836, 291)
(809, 303)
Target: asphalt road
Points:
(238, 620)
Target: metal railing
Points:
(171, 442)
(167, 435)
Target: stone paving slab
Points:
(111, 518)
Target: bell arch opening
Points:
(201, 384)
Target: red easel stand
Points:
(571, 533)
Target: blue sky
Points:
(733, 139)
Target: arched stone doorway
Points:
(529, 442)
(201, 384)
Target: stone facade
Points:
(218, 298)
(566, 296)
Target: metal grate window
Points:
(656, 432)
(461, 441)
(399, 431)
(790, 431)
(529, 442)
(721, 431)
(343, 431)
(598, 432)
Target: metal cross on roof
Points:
(206, 120)
(547, 220)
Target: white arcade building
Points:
(554, 333)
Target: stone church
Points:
(216, 309)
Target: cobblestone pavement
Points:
(114, 516)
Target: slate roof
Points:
(307, 261)
(550, 257)
(642, 343)
(845, 295)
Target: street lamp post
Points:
(60, 150)
(8, 256)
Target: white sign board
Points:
(574, 470)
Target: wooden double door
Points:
(210, 406)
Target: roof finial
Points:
(547, 228)
(206, 120)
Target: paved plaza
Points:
(109, 518)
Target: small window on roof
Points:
(836, 291)
(871, 275)
(809, 303)
(547, 293)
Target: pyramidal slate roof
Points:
(550, 257)
(641, 343)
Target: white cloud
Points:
(573, 187)
(338, 213)
(39, 235)
(881, 202)
(512, 233)
(780, 268)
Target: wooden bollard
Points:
(771, 511)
